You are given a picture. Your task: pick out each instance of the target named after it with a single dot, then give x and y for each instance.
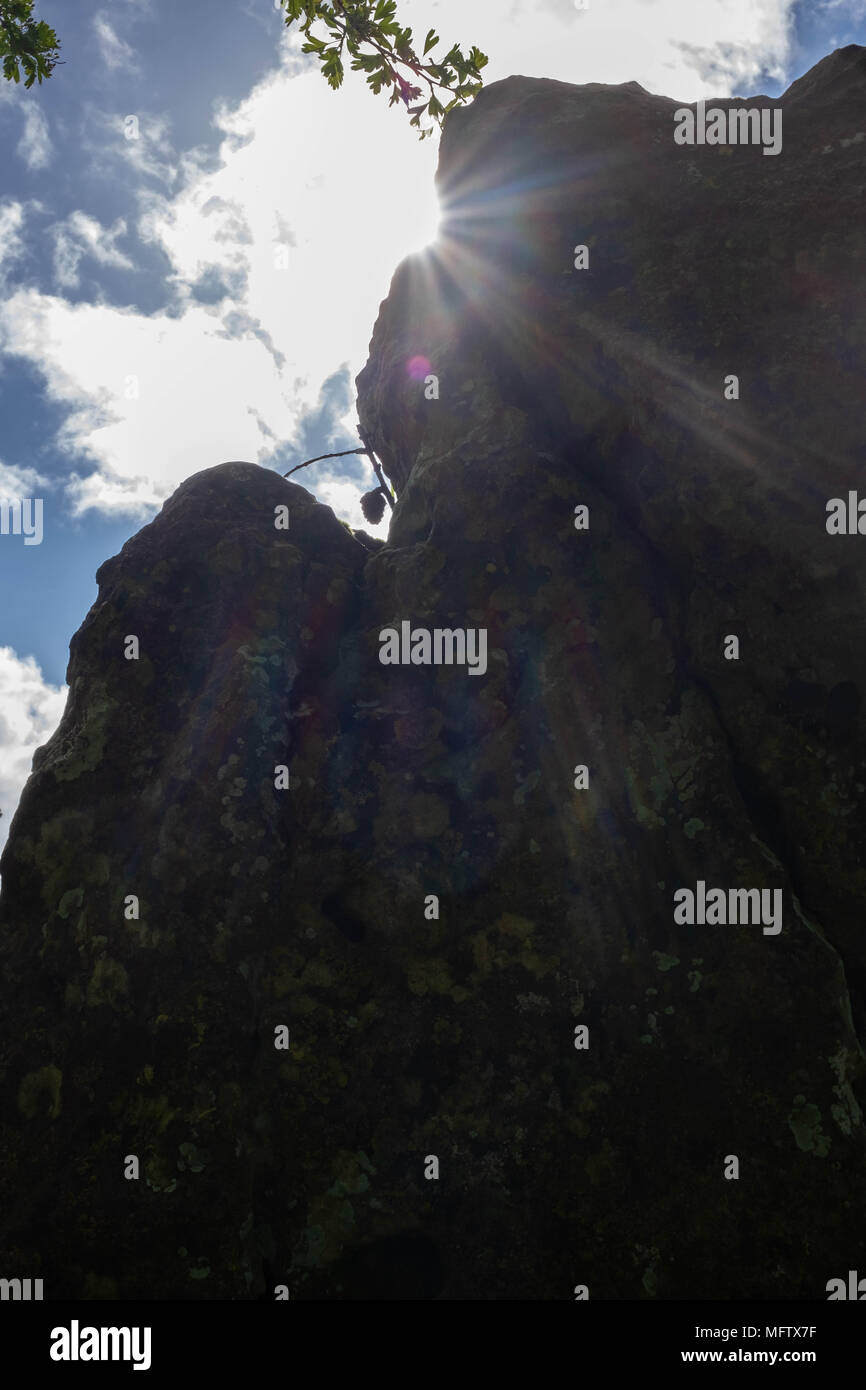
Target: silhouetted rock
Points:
(414, 1036)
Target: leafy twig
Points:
(364, 25)
(26, 43)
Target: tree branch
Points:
(390, 55)
(341, 455)
(377, 467)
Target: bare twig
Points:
(386, 491)
(324, 456)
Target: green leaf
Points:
(431, 41)
(332, 68)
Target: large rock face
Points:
(414, 1035)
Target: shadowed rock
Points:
(453, 1037)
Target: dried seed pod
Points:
(373, 506)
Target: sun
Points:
(422, 222)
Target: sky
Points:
(195, 237)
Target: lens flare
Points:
(418, 368)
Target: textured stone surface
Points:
(453, 1037)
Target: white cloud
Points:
(856, 8)
(151, 153)
(622, 40)
(343, 496)
(14, 238)
(11, 242)
(35, 146)
(139, 139)
(30, 710)
(78, 236)
(20, 482)
(200, 394)
(116, 53)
